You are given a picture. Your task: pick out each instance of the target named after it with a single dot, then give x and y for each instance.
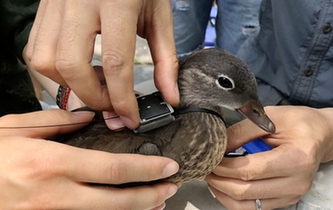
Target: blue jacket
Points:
(292, 54)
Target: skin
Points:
(303, 140)
(61, 47)
(37, 174)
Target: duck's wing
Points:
(98, 136)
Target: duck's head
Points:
(214, 77)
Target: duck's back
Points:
(197, 141)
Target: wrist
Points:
(66, 99)
(74, 102)
(327, 115)
(62, 97)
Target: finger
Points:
(137, 198)
(109, 168)
(43, 124)
(74, 53)
(60, 165)
(118, 46)
(245, 131)
(242, 133)
(161, 41)
(35, 27)
(273, 203)
(260, 165)
(113, 121)
(242, 190)
(46, 40)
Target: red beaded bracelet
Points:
(62, 97)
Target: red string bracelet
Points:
(62, 97)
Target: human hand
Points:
(40, 174)
(279, 177)
(73, 101)
(61, 45)
(113, 120)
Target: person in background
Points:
(40, 174)
(292, 57)
(236, 21)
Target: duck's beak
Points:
(254, 111)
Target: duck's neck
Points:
(191, 91)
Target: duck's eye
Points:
(225, 82)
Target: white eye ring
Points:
(224, 82)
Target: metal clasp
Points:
(154, 112)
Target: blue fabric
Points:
(236, 21)
(292, 54)
(190, 22)
(289, 49)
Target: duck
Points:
(209, 80)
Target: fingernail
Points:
(170, 169)
(113, 121)
(172, 190)
(84, 113)
(128, 122)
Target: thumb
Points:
(242, 133)
(44, 124)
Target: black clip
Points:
(154, 112)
